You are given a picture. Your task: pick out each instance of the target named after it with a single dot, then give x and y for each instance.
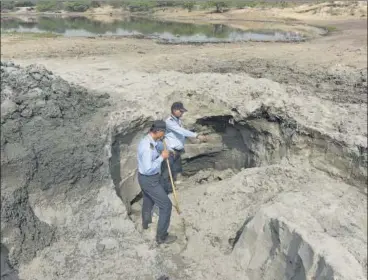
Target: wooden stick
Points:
(176, 205)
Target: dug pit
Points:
(259, 140)
(268, 196)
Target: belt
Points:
(148, 175)
(178, 151)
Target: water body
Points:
(164, 31)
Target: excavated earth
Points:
(278, 191)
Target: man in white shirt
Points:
(149, 178)
(175, 138)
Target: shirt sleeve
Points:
(149, 166)
(174, 126)
(160, 146)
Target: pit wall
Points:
(269, 140)
(244, 144)
(271, 247)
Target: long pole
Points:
(176, 205)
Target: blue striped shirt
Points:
(176, 133)
(149, 159)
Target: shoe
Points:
(145, 225)
(178, 179)
(167, 240)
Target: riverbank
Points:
(312, 10)
(304, 19)
(345, 47)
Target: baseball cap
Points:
(178, 106)
(159, 125)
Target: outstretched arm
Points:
(174, 126)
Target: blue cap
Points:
(178, 106)
(159, 125)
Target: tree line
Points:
(140, 5)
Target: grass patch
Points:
(30, 35)
(330, 28)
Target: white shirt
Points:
(149, 159)
(176, 134)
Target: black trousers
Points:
(176, 168)
(154, 193)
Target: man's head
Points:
(177, 109)
(158, 129)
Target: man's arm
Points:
(160, 146)
(174, 126)
(149, 166)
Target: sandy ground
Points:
(340, 10)
(108, 60)
(346, 46)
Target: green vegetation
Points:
(260, 4)
(329, 28)
(218, 6)
(189, 5)
(7, 6)
(95, 4)
(49, 5)
(77, 6)
(11, 5)
(30, 35)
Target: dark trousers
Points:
(176, 168)
(154, 193)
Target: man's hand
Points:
(165, 154)
(202, 138)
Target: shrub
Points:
(252, 4)
(7, 5)
(219, 5)
(140, 6)
(95, 4)
(46, 6)
(24, 3)
(189, 5)
(161, 3)
(239, 4)
(76, 6)
(118, 3)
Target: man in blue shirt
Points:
(149, 169)
(175, 139)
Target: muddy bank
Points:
(59, 206)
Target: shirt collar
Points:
(151, 140)
(175, 118)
